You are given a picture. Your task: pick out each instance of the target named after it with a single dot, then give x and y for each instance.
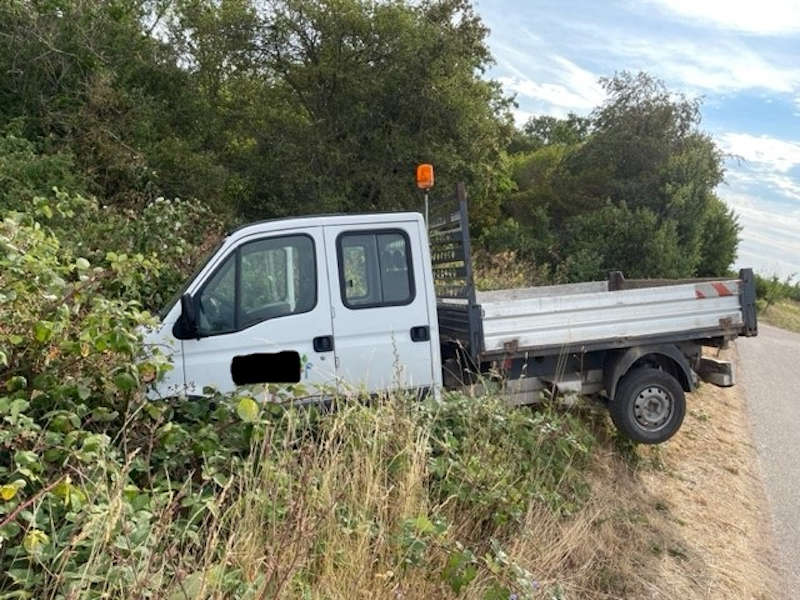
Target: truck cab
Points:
(325, 301)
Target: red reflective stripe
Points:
(722, 289)
(699, 294)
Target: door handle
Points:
(323, 343)
(420, 333)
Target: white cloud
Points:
(565, 86)
(770, 241)
(766, 152)
(787, 185)
(705, 61)
(752, 177)
(520, 116)
(724, 66)
(557, 95)
(762, 17)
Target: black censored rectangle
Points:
(278, 367)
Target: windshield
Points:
(176, 296)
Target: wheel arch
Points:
(667, 357)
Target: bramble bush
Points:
(106, 493)
(164, 238)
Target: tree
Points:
(332, 104)
(643, 152)
(647, 151)
(720, 239)
(26, 174)
(544, 130)
(259, 108)
(617, 238)
(85, 78)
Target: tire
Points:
(649, 405)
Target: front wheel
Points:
(649, 405)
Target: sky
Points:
(741, 57)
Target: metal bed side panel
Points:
(569, 320)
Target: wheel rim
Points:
(653, 407)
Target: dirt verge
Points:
(697, 509)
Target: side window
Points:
(278, 278)
(355, 260)
(261, 280)
(375, 269)
(216, 304)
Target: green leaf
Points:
(42, 331)
(125, 381)
(17, 406)
(497, 592)
(18, 382)
(8, 532)
(103, 414)
(460, 570)
(131, 492)
(193, 585)
(34, 540)
(27, 459)
(83, 391)
(247, 409)
(154, 411)
(8, 491)
(423, 524)
(62, 490)
(82, 264)
(3, 359)
(94, 442)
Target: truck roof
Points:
(319, 220)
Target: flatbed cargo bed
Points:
(578, 317)
(591, 315)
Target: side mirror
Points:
(188, 316)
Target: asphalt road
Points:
(770, 373)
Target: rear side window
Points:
(375, 268)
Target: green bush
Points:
(612, 238)
(26, 173)
(495, 461)
(80, 441)
(770, 290)
(104, 491)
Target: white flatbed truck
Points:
(376, 302)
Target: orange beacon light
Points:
(425, 176)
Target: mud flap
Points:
(719, 372)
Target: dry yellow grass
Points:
(682, 520)
(785, 314)
(686, 520)
(691, 520)
(714, 497)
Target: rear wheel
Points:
(648, 406)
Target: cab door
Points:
(263, 316)
(381, 324)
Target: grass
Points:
(459, 498)
(784, 314)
